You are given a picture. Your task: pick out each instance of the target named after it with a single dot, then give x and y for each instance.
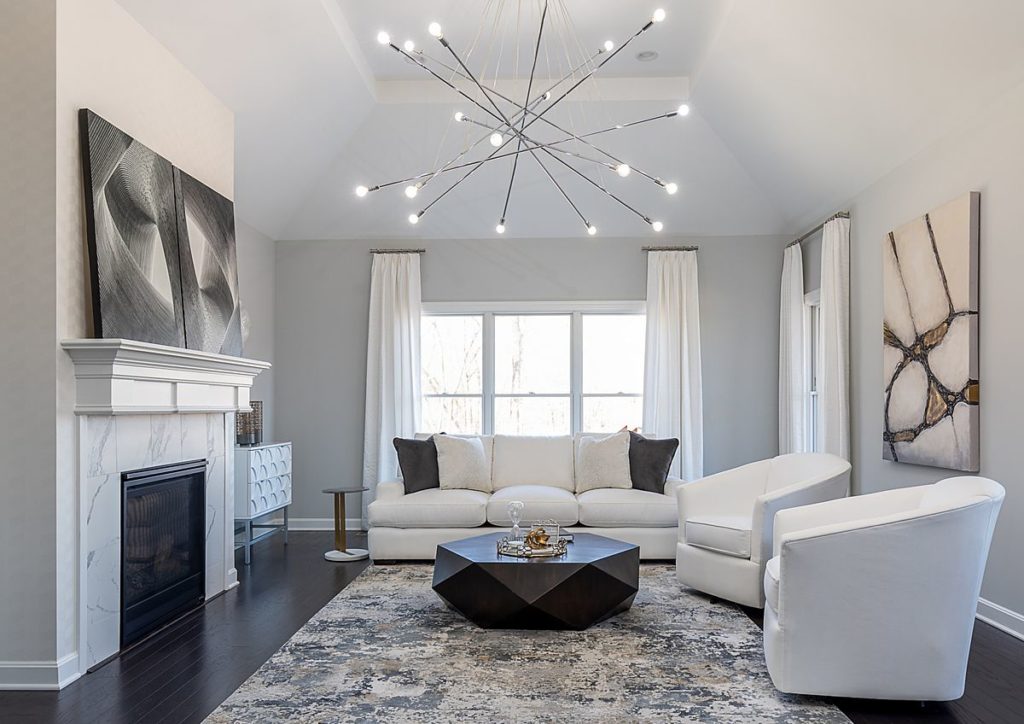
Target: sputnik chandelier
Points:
(507, 121)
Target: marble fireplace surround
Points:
(140, 405)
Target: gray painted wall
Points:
(321, 328)
(257, 259)
(986, 156)
(28, 323)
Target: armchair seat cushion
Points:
(541, 502)
(771, 582)
(629, 508)
(432, 508)
(726, 534)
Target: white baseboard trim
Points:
(351, 524)
(38, 675)
(1001, 617)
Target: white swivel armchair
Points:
(874, 596)
(725, 520)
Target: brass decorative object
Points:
(543, 540)
(249, 425)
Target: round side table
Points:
(342, 552)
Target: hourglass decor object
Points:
(249, 425)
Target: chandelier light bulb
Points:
(591, 229)
(361, 191)
(500, 228)
(657, 225)
(411, 191)
(609, 46)
(383, 38)
(623, 170)
(409, 46)
(414, 218)
(435, 30)
(683, 110)
(459, 115)
(497, 139)
(547, 96)
(658, 16)
(671, 187)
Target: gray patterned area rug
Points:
(387, 649)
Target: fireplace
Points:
(163, 546)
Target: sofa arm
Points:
(672, 484)
(390, 489)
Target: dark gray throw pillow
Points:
(418, 461)
(649, 461)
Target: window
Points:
(548, 369)
(812, 334)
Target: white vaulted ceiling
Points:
(797, 106)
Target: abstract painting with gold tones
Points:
(930, 333)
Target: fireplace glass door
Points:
(163, 546)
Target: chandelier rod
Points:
(596, 185)
(564, 194)
(529, 90)
(572, 136)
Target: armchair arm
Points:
(799, 494)
(390, 489)
(731, 492)
(844, 511)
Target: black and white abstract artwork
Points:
(161, 247)
(133, 239)
(930, 336)
(209, 271)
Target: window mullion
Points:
(576, 371)
(487, 413)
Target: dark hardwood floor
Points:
(183, 672)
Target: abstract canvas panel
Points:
(209, 270)
(930, 335)
(132, 234)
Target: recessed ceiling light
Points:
(646, 56)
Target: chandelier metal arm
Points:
(562, 190)
(595, 184)
(526, 110)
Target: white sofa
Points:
(725, 520)
(540, 471)
(875, 596)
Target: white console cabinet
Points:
(263, 485)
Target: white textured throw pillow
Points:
(602, 462)
(462, 463)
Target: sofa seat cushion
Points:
(617, 508)
(727, 534)
(433, 508)
(541, 502)
(771, 583)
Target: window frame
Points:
(812, 367)
(574, 310)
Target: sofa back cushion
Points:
(525, 460)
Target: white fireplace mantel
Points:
(124, 377)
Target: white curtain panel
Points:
(792, 410)
(392, 366)
(834, 351)
(673, 405)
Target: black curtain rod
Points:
(398, 251)
(668, 248)
(819, 227)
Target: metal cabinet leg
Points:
(286, 525)
(248, 542)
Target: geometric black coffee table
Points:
(598, 577)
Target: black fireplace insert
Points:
(163, 546)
